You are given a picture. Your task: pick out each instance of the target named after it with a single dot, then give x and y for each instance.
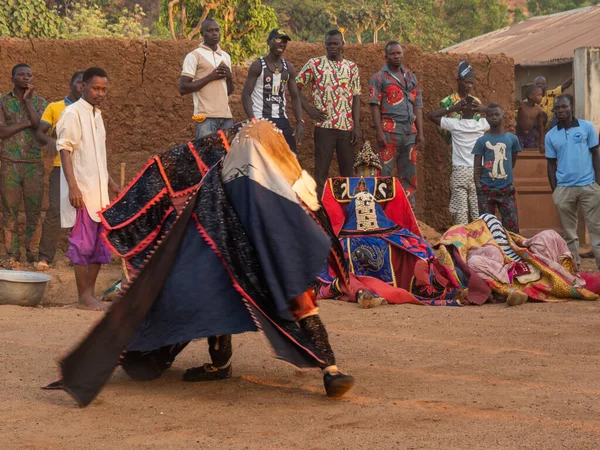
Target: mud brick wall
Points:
(144, 113)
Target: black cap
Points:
(465, 70)
(278, 33)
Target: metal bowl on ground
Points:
(22, 288)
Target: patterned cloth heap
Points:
(492, 259)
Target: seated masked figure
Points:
(223, 237)
(387, 257)
(498, 265)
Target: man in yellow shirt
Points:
(548, 97)
(51, 226)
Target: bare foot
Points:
(90, 303)
(41, 266)
(12, 263)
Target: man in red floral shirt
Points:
(335, 85)
(397, 110)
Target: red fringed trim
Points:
(152, 202)
(143, 243)
(185, 192)
(224, 140)
(124, 191)
(164, 175)
(201, 166)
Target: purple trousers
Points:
(86, 245)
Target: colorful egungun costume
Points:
(382, 244)
(223, 238)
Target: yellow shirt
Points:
(547, 104)
(50, 118)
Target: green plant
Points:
(28, 19)
(85, 21)
(244, 23)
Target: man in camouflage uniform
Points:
(22, 168)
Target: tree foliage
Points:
(413, 24)
(305, 20)
(33, 19)
(470, 18)
(244, 23)
(84, 21)
(543, 7)
(432, 24)
(28, 18)
(361, 18)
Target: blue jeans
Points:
(211, 125)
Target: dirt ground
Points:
(488, 377)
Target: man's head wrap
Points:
(465, 71)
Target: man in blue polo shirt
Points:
(574, 172)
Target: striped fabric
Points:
(499, 233)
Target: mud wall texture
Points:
(144, 113)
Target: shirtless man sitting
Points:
(530, 120)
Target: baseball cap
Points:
(278, 33)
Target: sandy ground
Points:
(488, 377)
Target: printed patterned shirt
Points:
(21, 146)
(334, 84)
(397, 102)
(449, 102)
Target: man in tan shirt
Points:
(85, 184)
(207, 76)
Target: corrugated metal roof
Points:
(541, 38)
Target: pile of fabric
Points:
(495, 264)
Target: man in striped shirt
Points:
(264, 92)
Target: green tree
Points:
(421, 22)
(518, 16)
(362, 19)
(84, 21)
(543, 7)
(244, 23)
(470, 18)
(305, 20)
(350, 17)
(28, 19)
